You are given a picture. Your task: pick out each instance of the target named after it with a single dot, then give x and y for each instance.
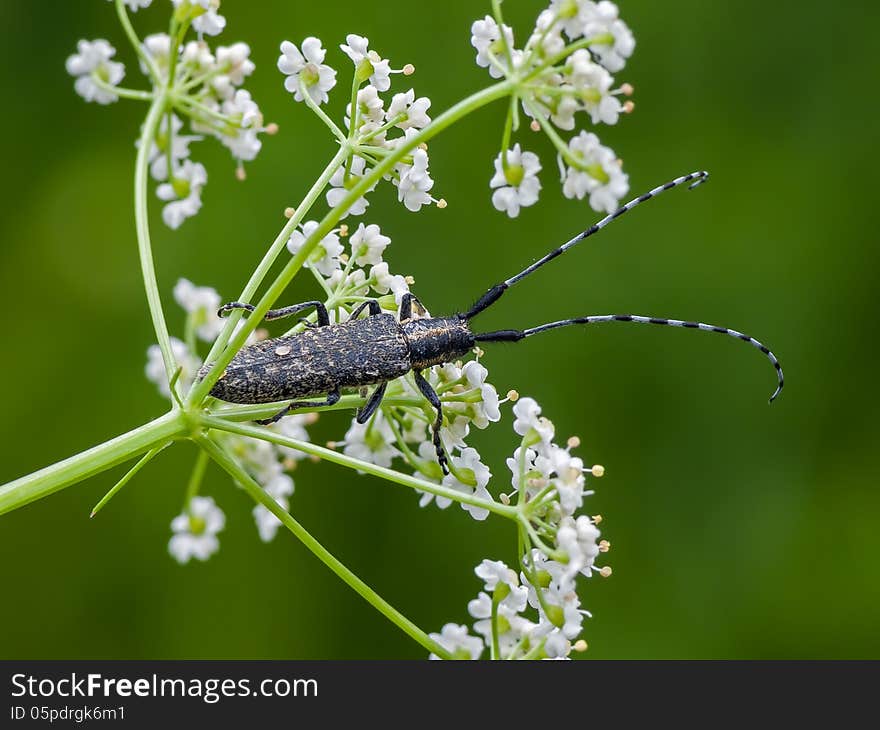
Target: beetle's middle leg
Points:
(434, 400)
(332, 398)
(323, 317)
(363, 415)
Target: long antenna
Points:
(515, 335)
(491, 296)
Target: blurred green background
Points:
(738, 529)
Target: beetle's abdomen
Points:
(314, 362)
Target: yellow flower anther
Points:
(605, 571)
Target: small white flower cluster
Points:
(564, 69)
(205, 88)
(550, 486)
(370, 124)
(195, 530)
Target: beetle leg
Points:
(406, 302)
(372, 304)
(323, 317)
(363, 415)
(332, 398)
(434, 399)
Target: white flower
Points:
(385, 282)
(604, 181)
(134, 5)
(367, 244)
(429, 455)
(493, 572)
(367, 63)
(201, 303)
(486, 39)
(372, 441)
(245, 144)
(307, 68)
(325, 256)
(470, 460)
(415, 182)
(529, 419)
(579, 539)
(158, 47)
(234, 61)
(195, 531)
(548, 33)
(458, 642)
(414, 110)
(511, 626)
(516, 184)
(198, 58)
(569, 480)
(594, 85)
(293, 426)
(487, 409)
(280, 488)
(159, 151)
(155, 369)
(574, 15)
(370, 107)
(340, 185)
(90, 63)
(604, 20)
(185, 193)
(209, 23)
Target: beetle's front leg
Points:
(434, 399)
(406, 306)
(332, 398)
(375, 308)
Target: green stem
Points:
(120, 91)
(201, 389)
(142, 227)
(390, 475)
(93, 461)
(195, 479)
(495, 650)
(136, 43)
(145, 459)
(259, 495)
(236, 342)
(316, 108)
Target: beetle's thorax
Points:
(437, 340)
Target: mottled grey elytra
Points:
(326, 358)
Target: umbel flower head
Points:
(562, 78)
(198, 84)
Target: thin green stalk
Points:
(495, 649)
(121, 91)
(136, 43)
(195, 479)
(142, 227)
(236, 342)
(259, 495)
(390, 475)
(53, 478)
(316, 108)
(145, 459)
(199, 391)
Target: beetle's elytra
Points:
(326, 358)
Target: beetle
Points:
(374, 350)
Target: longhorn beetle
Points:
(372, 351)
